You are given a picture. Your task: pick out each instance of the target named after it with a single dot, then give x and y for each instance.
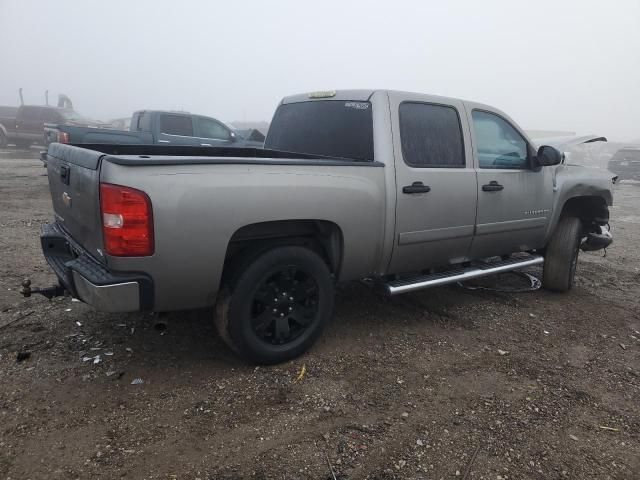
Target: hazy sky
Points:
(561, 64)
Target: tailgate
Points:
(74, 182)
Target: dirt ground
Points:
(443, 383)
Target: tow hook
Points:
(49, 292)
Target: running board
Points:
(418, 282)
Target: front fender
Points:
(577, 185)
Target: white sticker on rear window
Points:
(357, 105)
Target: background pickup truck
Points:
(155, 127)
(406, 190)
(24, 125)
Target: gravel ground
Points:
(442, 383)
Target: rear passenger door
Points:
(176, 129)
(436, 187)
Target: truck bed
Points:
(203, 198)
(94, 135)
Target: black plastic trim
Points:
(185, 155)
(65, 256)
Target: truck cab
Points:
(183, 128)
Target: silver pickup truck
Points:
(406, 190)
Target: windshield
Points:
(329, 127)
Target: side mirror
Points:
(548, 156)
(233, 137)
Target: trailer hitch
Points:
(49, 292)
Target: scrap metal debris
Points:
(11, 322)
(302, 373)
(22, 356)
(609, 428)
(137, 381)
(534, 284)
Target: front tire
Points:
(561, 257)
(277, 306)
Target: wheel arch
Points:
(588, 208)
(592, 210)
(322, 236)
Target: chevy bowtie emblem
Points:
(66, 199)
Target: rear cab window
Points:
(331, 128)
(181, 125)
(431, 136)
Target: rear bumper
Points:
(90, 281)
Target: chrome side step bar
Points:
(418, 282)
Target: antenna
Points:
(21, 99)
(46, 97)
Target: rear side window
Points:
(176, 125)
(333, 128)
(431, 135)
(498, 144)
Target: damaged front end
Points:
(597, 240)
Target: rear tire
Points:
(277, 305)
(561, 257)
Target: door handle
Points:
(64, 174)
(416, 187)
(492, 186)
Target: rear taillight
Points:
(63, 137)
(127, 221)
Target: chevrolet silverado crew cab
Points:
(405, 190)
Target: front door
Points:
(514, 198)
(436, 185)
(211, 133)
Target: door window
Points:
(30, 114)
(498, 144)
(431, 136)
(49, 115)
(176, 125)
(209, 128)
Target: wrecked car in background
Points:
(625, 163)
(24, 125)
(409, 191)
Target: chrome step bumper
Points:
(419, 282)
